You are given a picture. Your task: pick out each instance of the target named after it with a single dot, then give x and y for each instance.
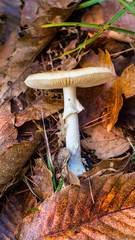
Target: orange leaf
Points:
(73, 214)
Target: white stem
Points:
(71, 109)
(71, 103)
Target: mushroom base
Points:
(73, 144)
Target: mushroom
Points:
(69, 80)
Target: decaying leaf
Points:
(106, 144)
(43, 180)
(103, 211)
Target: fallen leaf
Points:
(124, 85)
(104, 211)
(102, 59)
(28, 47)
(46, 104)
(42, 179)
(13, 212)
(106, 144)
(62, 170)
(108, 98)
(112, 165)
(38, 8)
(7, 48)
(13, 154)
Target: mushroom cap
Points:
(83, 77)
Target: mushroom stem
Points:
(71, 109)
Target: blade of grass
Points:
(127, 6)
(60, 185)
(105, 27)
(50, 168)
(88, 4)
(90, 25)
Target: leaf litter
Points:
(96, 204)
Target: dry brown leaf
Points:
(44, 104)
(103, 211)
(106, 144)
(107, 99)
(13, 212)
(124, 85)
(7, 48)
(112, 165)
(28, 48)
(43, 180)
(62, 170)
(37, 7)
(13, 154)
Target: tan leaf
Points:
(106, 144)
(43, 180)
(72, 214)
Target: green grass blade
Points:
(60, 185)
(33, 209)
(50, 168)
(88, 4)
(105, 27)
(90, 25)
(127, 6)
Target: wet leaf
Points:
(72, 214)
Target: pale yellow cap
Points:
(82, 77)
